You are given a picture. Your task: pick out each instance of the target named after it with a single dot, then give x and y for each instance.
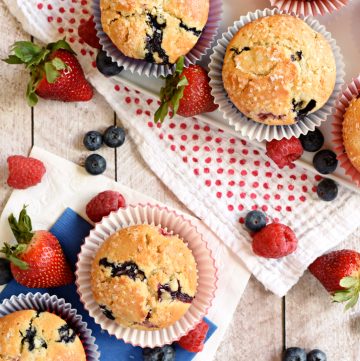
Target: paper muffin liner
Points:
(306, 7)
(141, 66)
(173, 222)
(254, 130)
(351, 92)
(58, 306)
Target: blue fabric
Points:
(70, 229)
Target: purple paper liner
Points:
(259, 131)
(313, 8)
(142, 67)
(58, 306)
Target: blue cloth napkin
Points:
(71, 229)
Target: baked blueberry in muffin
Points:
(41, 336)
(277, 70)
(157, 31)
(144, 278)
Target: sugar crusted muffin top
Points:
(157, 31)
(351, 132)
(30, 335)
(277, 70)
(144, 278)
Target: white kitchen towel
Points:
(219, 177)
(67, 185)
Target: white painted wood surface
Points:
(263, 324)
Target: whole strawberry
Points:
(24, 172)
(285, 151)
(103, 204)
(87, 32)
(338, 272)
(274, 241)
(37, 260)
(55, 73)
(186, 93)
(194, 340)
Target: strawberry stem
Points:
(172, 92)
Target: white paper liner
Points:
(158, 216)
(58, 306)
(314, 8)
(203, 44)
(249, 128)
(351, 92)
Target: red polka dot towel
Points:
(218, 177)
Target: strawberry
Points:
(194, 340)
(55, 72)
(37, 260)
(274, 241)
(339, 273)
(186, 93)
(285, 151)
(24, 172)
(87, 32)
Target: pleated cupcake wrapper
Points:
(351, 92)
(150, 69)
(170, 220)
(314, 8)
(249, 128)
(58, 306)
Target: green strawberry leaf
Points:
(161, 113)
(26, 50)
(352, 302)
(51, 73)
(172, 92)
(37, 59)
(58, 64)
(349, 282)
(60, 44)
(13, 59)
(21, 228)
(342, 296)
(31, 97)
(11, 253)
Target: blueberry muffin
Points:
(351, 133)
(144, 278)
(30, 335)
(158, 31)
(277, 70)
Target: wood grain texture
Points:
(313, 321)
(15, 115)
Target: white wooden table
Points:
(263, 324)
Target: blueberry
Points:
(95, 164)
(316, 355)
(106, 66)
(325, 161)
(165, 353)
(327, 190)
(255, 220)
(312, 141)
(5, 271)
(93, 140)
(294, 354)
(114, 137)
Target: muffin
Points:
(156, 31)
(30, 335)
(277, 70)
(351, 132)
(144, 278)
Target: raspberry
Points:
(194, 340)
(103, 204)
(87, 32)
(285, 151)
(274, 241)
(24, 172)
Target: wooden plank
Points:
(313, 321)
(15, 115)
(256, 329)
